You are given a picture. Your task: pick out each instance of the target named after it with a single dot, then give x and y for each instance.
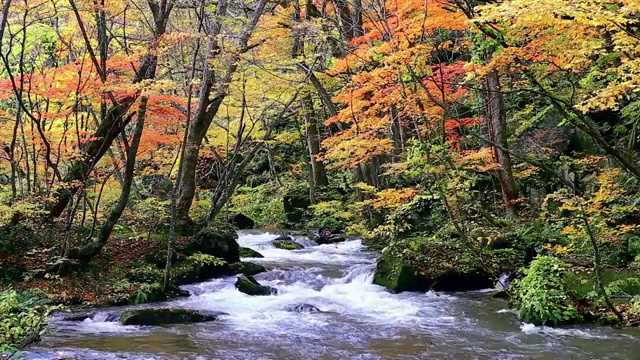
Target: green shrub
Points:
(541, 297)
(23, 319)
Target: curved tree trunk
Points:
(208, 108)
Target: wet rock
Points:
(287, 245)
(189, 271)
(249, 253)
(283, 238)
(218, 242)
(246, 268)
(249, 286)
(243, 222)
(398, 276)
(155, 317)
(93, 315)
(328, 236)
(302, 308)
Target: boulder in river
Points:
(302, 308)
(199, 267)
(166, 316)
(287, 244)
(249, 253)
(243, 222)
(443, 268)
(249, 286)
(247, 268)
(93, 315)
(328, 236)
(218, 242)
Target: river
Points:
(359, 320)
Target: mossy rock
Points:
(287, 245)
(216, 241)
(249, 253)
(420, 265)
(243, 222)
(155, 317)
(190, 270)
(249, 285)
(398, 277)
(247, 268)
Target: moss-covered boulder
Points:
(216, 241)
(199, 267)
(155, 317)
(249, 253)
(243, 222)
(438, 266)
(397, 276)
(249, 286)
(247, 268)
(287, 245)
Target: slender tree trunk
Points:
(495, 123)
(318, 171)
(90, 250)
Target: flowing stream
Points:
(358, 320)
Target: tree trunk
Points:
(495, 123)
(208, 108)
(317, 167)
(87, 252)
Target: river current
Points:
(358, 320)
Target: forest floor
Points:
(104, 281)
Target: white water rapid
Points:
(357, 320)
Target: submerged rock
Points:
(301, 308)
(93, 315)
(287, 244)
(155, 317)
(243, 222)
(218, 242)
(249, 253)
(249, 286)
(247, 268)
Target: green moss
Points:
(247, 268)
(249, 253)
(396, 276)
(287, 245)
(199, 267)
